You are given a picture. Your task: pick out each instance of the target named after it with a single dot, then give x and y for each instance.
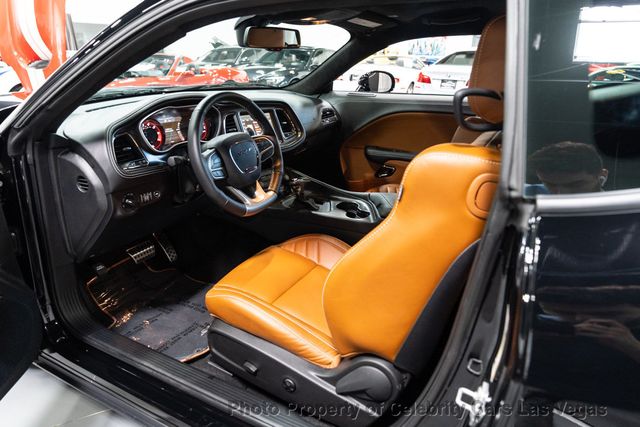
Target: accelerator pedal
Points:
(167, 247)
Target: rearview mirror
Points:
(376, 81)
(271, 37)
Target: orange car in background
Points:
(162, 70)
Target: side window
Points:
(419, 66)
(583, 125)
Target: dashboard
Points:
(125, 161)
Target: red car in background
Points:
(163, 70)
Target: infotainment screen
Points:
(252, 126)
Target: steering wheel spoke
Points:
(258, 196)
(266, 146)
(214, 164)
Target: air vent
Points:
(329, 116)
(83, 184)
(128, 155)
(287, 126)
(230, 124)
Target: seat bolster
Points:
(322, 249)
(262, 319)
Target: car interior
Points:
(305, 245)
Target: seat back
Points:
(374, 295)
(413, 265)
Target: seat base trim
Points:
(307, 387)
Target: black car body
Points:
(545, 328)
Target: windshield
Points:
(223, 55)
(285, 57)
(220, 61)
(155, 65)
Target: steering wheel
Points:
(234, 160)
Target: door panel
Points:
(412, 132)
(410, 123)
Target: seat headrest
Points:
(488, 70)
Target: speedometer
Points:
(206, 129)
(154, 133)
(205, 133)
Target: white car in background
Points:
(447, 75)
(404, 68)
(9, 81)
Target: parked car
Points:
(282, 68)
(429, 59)
(224, 57)
(447, 75)
(601, 66)
(403, 68)
(248, 255)
(162, 70)
(9, 81)
(619, 74)
(157, 65)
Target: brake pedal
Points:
(167, 247)
(142, 252)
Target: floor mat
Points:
(161, 309)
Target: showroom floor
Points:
(41, 400)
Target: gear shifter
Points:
(298, 189)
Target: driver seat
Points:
(314, 321)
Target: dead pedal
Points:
(167, 247)
(142, 252)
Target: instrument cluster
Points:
(169, 127)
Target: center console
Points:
(307, 205)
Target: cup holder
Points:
(352, 210)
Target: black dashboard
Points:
(121, 166)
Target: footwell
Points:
(161, 309)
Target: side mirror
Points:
(271, 38)
(376, 81)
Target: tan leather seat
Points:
(325, 302)
(277, 295)
(488, 73)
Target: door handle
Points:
(385, 171)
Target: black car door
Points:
(20, 320)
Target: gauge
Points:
(154, 133)
(205, 134)
(206, 129)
